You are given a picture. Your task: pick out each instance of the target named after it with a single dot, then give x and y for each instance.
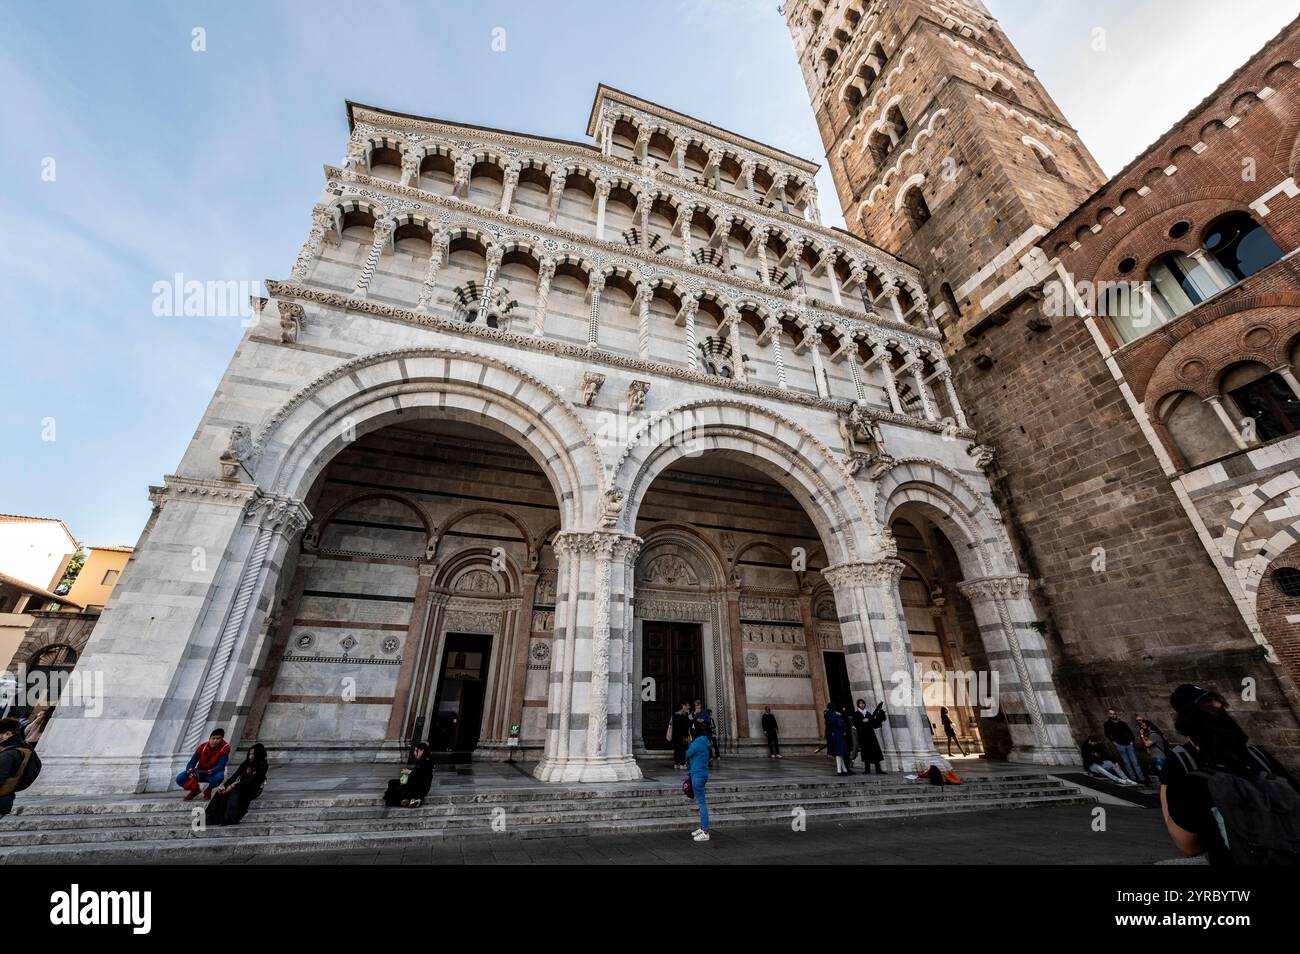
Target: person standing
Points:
(949, 731)
(1121, 736)
(1154, 741)
(866, 722)
(770, 730)
(697, 758)
(835, 744)
(680, 732)
(207, 764)
(705, 717)
(230, 801)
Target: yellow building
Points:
(98, 576)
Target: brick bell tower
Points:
(944, 147)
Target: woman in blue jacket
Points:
(835, 742)
(697, 758)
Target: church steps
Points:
(287, 839)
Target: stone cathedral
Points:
(540, 438)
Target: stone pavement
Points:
(1049, 835)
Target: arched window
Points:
(1180, 282)
(1048, 163)
(1263, 400)
(950, 300)
(917, 209)
(1287, 579)
(1194, 428)
(1129, 308)
(1240, 244)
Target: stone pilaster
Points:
(1015, 648)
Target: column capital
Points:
(885, 572)
(281, 513)
(987, 589)
(610, 543)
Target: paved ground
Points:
(1029, 836)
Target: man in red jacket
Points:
(207, 765)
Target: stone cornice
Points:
(216, 491)
(292, 290)
(853, 322)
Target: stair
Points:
(146, 828)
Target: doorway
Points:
(671, 657)
(462, 687)
(838, 690)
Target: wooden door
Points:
(671, 656)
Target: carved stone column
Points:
(687, 213)
(595, 285)
(415, 631)
(602, 198)
(494, 255)
(384, 229)
(951, 390)
(322, 221)
(545, 274)
(686, 318)
(437, 253)
(519, 656)
(738, 371)
(891, 385)
(591, 693)
(509, 180)
(762, 257)
(1016, 650)
(816, 661)
(554, 196)
(644, 293)
(878, 653)
(736, 635)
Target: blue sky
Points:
(207, 163)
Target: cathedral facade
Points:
(539, 439)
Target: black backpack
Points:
(1258, 812)
(29, 766)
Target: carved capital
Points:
(282, 514)
(591, 382)
(994, 588)
(885, 572)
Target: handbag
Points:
(669, 736)
(687, 788)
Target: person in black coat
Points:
(770, 731)
(950, 731)
(681, 734)
(414, 783)
(230, 800)
(866, 723)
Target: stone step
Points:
(244, 842)
(175, 813)
(27, 808)
(263, 824)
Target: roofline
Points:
(35, 590)
(18, 516)
(602, 88)
(352, 124)
(1179, 124)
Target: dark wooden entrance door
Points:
(838, 690)
(670, 655)
(462, 686)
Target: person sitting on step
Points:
(408, 789)
(206, 765)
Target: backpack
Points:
(29, 766)
(1258, 814)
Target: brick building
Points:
(1125, 347)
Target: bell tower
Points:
(945, 148)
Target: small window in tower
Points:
(1287, 579)
(1048, 163)
(917, 209)
(1179, 229)
(1127, 265)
